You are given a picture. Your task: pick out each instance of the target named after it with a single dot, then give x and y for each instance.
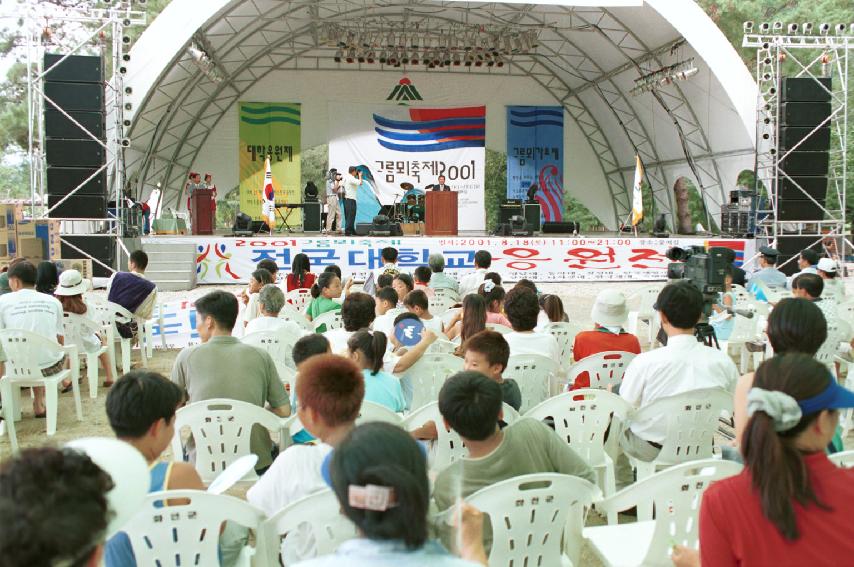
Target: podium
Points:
(201, 211)
(441, 213)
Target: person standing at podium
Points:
(351, 186)
(440, 186)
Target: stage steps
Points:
(171, 266)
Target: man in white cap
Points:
(609, 315)
(834, 288)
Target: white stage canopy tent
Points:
(589, 55)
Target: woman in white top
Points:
(270, 301)
(379, 474)
(257, 280)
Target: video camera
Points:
(704, 269)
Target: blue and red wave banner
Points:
(535, 156)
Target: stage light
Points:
(778, 26)
(383, 57)
(126, 123)
(361, 57)
(793, 28)
(371, 56)
(765, 27)
(840, 29)
(807, 27)
(338, 55)
(123, 70)
(390, 40)
(404, 58)
(351, 55)
(446, 57)
(468, 60)
(125, 142)
(128, 91)
(748, 27)
(499, 61)
(414, 58)
(824, 28)
(457, 59)
(478, 60)
(489, 61)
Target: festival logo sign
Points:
(404, 91)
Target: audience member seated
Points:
(367, 349)
(768, 273)
(683, 365)
(386, 302)
(494, 295)
(141, 409)
(521, 307)
(324, 292)
(47, 277)
(402, 284)
(807, 264)
(70, 292)
(223, 367)
(794, 325)
(270, 265)
(722, 321)
(25, 309)
(4, 275)
(421, 277)
(416, 302)
(388, 263)
(384, 280)
(271, 300)
(609, 315)
(487, 352)
(551, 311)
(300, 276)
(739, 276)
(329, 391)
(470, 404)
(258, 279)
(471, 281)
(834, 287)
(379, 474)
(357, 313)
(439, 279)
(53, 508)
(810, 287)
(469, 320)
(495, 277)
(526, 283)
(133, 291)
(790, 505)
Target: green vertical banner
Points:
(269, 128)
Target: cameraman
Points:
(333, 212)
(351, 181)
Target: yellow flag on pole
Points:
(637, 194)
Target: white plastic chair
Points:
(449, 293)
(76, 327)
(186, 530)
(299, 298)
(771, 295)
(221, 430)
(290, 313)
(645, 312)
(448, 316)
(838, 331)
(534, 374)
(442, 346)
(428, 375)
(320, 511)
(503, 329)
(676, 494)
(23, 349)
(441, 303)
(145, 335)
(370, 412)
(582, 423)
(531, 515)
(449, 446)
(103, 313)
(604, 368)
(744, 330)
(564, 334)
(278, 344)
(844, 459)
(332, 320)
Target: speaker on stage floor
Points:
(532, 216)
(101, 247)
(508, 210)
(311, 219)
(363, 228)
(561, 227)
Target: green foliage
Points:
(313, 165)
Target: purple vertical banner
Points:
(535, 156)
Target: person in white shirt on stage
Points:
(351, 181)
(470, 282)
(333, 188)
(522, 307)
(685, 364)
(271, 300)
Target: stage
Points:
(226, 259)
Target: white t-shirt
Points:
(293, 475)
(434, 324)
(253, 309)
(543, 344)
(274, 324)
(351, 185)
(470, 282)
(338, 340)
(39, 313)
(382, 269)
(385, 323)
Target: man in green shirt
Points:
(470, 404)
(223, 367)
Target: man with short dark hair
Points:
(421, 277)
(386, 303)
(25, 309)
(768, 272)
(811, 287)
(522, 308)
(440, 280)
(685, 364)
(440, 185)
(357, 312)
(471, 282)
(488, 353)
(416, 302)
(224, 367)
(309, 346)
(388, 263)
(470, 404)
(807, 264)
(133, 291)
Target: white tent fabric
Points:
(589, 56)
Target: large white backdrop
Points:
(400, 144)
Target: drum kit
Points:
(410, 209)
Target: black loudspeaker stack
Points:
(311, 220)
(76, 85)
(804, 105)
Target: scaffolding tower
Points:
(99, 30)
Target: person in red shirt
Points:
(300, 276)
(790, 505)
(609, 314)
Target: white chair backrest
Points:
(299, 298)
(647, 296)
(449, 446)
(844, 459)
(743, 329)
(375, 412)
(503, 329)
(321, 511)
(288, 377)
(581, 418)
(441, 303)
(290, 313)
(529, 514)
(564, 334)
(332, 320)
(78, 326)
(441, 346)
(692, 422)
(278, 344)
(185, 533)
(23, 350)
(447, 293)
(221, 430)
(604, 368)
(428, 374)
(448, 315)
(838, 330)
(532, 373)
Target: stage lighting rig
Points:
(664, 76)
